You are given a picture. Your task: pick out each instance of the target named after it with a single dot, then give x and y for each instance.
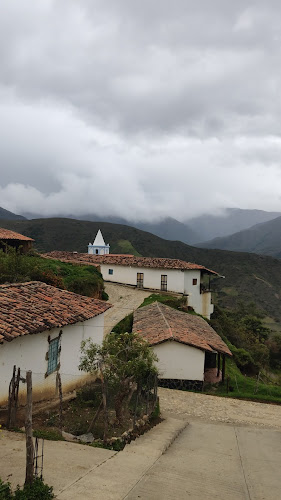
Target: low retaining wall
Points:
(187, 385)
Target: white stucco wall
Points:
(179, 361)
(101, 250)
(151, 278)
(177, 281)
(201, 302)
(29, 353)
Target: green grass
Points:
(127, 247)
(246, 387)
(84, 280)
(169, 300)
(51, 435)
(250, 277)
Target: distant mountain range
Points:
(248, 277)
(239, 230)
(230, 221)
(192, 231)
(262, 239)
(5, 214)
(167, 228)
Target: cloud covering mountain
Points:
(139, 109)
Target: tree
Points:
(125, 362)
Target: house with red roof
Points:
(161, 275)
(188, 349)
(41, 329)
(152, 273)
(15, 240)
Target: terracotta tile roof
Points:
(158, 323)
(5, 234)
(34, 307)
(129, 260)
(82, 259)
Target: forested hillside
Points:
(262, 238)
(248, 277)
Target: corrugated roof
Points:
(130, 260)
(158, 323)
(6, 234)
(34, 307)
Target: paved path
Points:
(190, 405)
(216, 461)
(64, 463)
(125, 300)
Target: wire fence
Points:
(75, 404)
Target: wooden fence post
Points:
(60, 396)
(13, 398)
(28, 431)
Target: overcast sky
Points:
(140, 108)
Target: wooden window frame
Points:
(164, 282)
(140, 278)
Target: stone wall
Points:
(187, 385)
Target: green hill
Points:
(5, 214)
(262, 238)
(248, 277)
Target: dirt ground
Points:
(217, 409)
(125, 300)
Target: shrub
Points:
(5, 491)
(35, 491)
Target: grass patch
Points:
(84, 280)
(243, 387)
(51, 435)
(230, 291)
(127, 247)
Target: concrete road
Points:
(216, 461)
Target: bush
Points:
(243, 360)
(37, 490)
(5, 491)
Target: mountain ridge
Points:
(248, 277)
(263, 238)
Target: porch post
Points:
(223, 368)
(219, 364)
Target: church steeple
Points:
(98, 247)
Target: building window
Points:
(110, 271)
(164, 282)
(97, 252)
(53, 355)
(139, 280)
(194, 281)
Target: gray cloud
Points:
(139, 109)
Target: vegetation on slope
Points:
(248, 277)
(84, 280)
(262, 238)
(256, 355)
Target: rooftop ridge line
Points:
(162, 314)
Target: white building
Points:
(98, 247)
(41, 329)
(186, 346)
(161, 274)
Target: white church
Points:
(156, 273)
(98, 247)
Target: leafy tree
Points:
(254, 326)
(125, 362)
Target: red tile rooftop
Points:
(34, 307)
(5, 234)
(158, 323)
(128, 260)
